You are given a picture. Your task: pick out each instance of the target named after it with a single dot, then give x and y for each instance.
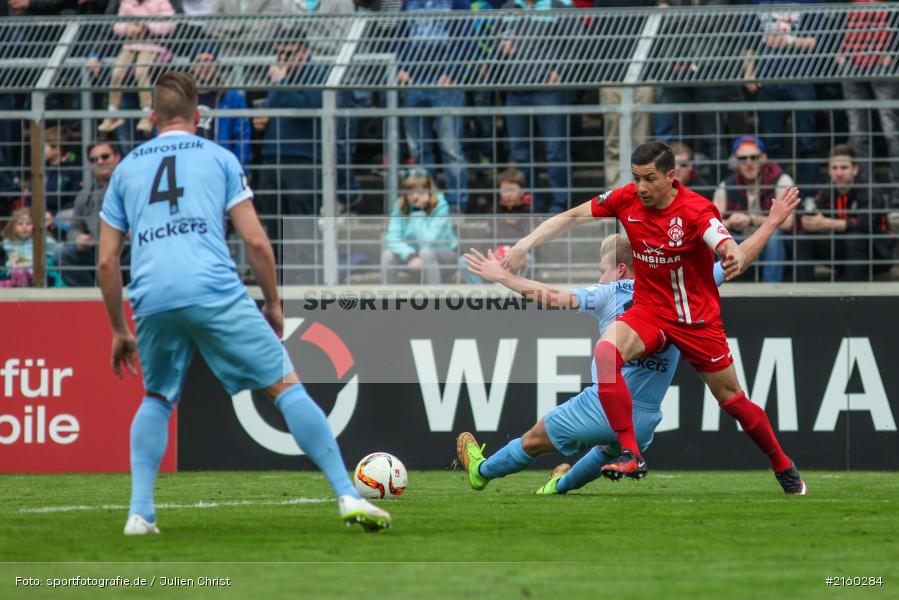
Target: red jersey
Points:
(672, 247)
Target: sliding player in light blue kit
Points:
(580, 423)
(172, 195)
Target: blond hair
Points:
(175, 98)
(418, 179)
(620, 245)
(9, 232)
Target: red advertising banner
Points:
(62, 409)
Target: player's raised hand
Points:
(124, 351)
(274, 314)
(731, 259)
(782, 208)
(516, 259)
(488, 268)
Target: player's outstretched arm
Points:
(517, 257)
(489, 268)
(109, 273)
(781, 209)
(261, 260)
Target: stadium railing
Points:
(43, 67)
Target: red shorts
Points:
(703, 346)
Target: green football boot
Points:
(471, 456)
(549, 488)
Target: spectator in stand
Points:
(289, 178)
(481, 129)
(232, 133)
(84, 222)
(868, 48)
(192, 30)
(227, 28)
(785, 34)
(745, 198)
(689, 60)
(611, 95)
(420, 236)
(424, 43)
(513, 217)
(137, 52)
(685, 170)
(539, 46)
(840, 224)
(63, 170)
(19, 250)
(327, 37)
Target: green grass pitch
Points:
(674, 535)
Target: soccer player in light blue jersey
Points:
(580, 423)
(172, 195)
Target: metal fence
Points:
(532, 83)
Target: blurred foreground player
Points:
(580, 423)
(674, 233)
(172, 195)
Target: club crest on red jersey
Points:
(676, 232)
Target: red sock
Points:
(755, 423)
(614, 396)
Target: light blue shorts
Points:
(580, 423)
(231, 334)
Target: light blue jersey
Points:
(580, 423)
(172, 194)
(649, 378)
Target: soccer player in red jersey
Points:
(675, 234)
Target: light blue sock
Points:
(511, 458)
(149, 438)
(583, 472)
(309, 427)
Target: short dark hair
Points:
(679, 148)
(289, 36)
(843, 150)
(511, 175)
(175, 97)
(112, 146)
(56, 136)
(654, 152)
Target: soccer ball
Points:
(380, 475)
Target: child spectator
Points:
(513, 220)
(137, 50)
(19, 250)
(420, 236)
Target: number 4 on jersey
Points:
(172, 191)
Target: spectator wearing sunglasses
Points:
(84, 222)
(686, 172)
(745, 198)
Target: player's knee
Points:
(727, 392)
(608, 361)
(281, 386)
(535, 442)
